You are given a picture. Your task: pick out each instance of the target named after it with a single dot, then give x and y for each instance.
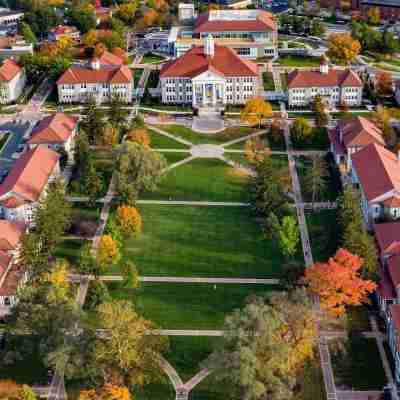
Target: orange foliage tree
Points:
(338, 282)
(117, 51)
(129, 220)
(106, 392)
(139, 136)
(384, 83)
(343, 48)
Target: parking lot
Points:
(17, 129)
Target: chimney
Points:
(324, 66)
(209, 46)
(95, 63)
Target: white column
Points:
(203, 88)
(194, 95)
(214, 94)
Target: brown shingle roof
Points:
(262, 22)
(359, 132)
(9, 70)
(11, 281)
(10, 234)
(194, 62)
(30, 174)
(56, 128)
(105, 74)
(334, 77)
(378, 170)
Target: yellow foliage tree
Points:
(108, 251)
(343, 48)
(256, 111)
(106, 392)
(110, 136)
(57, 279)
(139, 136)
(255, 150)
(90, 38)
(64, 44)
(129, 220)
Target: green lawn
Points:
(202, 241)
(163, 142)
(156, 391)
(279, 161)
(188, 352)
(299, 61)
(198, 138)
(136, 76)
(324, 233)
(187, 306)
(359, 366)
(273, 144)
(151, 58)
(201, 179)
(173, 158)
(69, 249)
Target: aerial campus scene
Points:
(199, 200)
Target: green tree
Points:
(93, 183)
(130, 274)
(315, 178)
(138, 169)
(317, 28)
(117, 114)
(265, 345)
(129, 353)
(321, 117)
(81, 17)
(27, 33)
(288, 236)
(93, 123)
(301, 130)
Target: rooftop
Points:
(378, 170)
(9, 70)
(359, 132)
(10, 234)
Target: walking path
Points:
(175, 279)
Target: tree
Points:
(255, 111)
(117, 51)
(255, 150)
(354, 237)
(110, 136)
(87, 262)
(129, 354)
(129, 220)
(374, 16)
(301, 130)
(130, 274)
(138, 169)
(106, 392)
(338, 282)
(384, 83)
(288, 236)
(92, 124)
(93, 183)
(265, 345)
(382, 118)
(117, 114)
(321, 117)
(108, 251)
(139, 135)
(317, 28)
(315, 178)
(10, 390)
(343, 48)
(82, 17)
(126, 12)
(27, 33)
(97, 294)
(58, 282)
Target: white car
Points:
(16, 155)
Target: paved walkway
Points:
(187, 332)
(175, 279)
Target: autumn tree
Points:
(139, 135)
(382, 118)
(10, 390)
(129, 354)
(255, 150)
(301, 130)
(117, 51)
(110, 136)
(315, 178)
(343, 49)
(384, 83)
(265, 345)
(374, 16)
(319, 107)
(338, 283)
(126, 12)
(256, 111)
(129, 220)
(108, 251)
(106, 392)
(138, 169)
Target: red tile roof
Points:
(385, 286)
(9, 70)
(334, 77)
(108, 58)
(393, 266)
(378, 170)
(395, 311)
(63, 30)
(10, 234)
(211, 22)
(56, 128)
(388, 236)
(30, 174)
(105, 74)
(359, 132)
(194, 62)
(12, 202)
(392, 202)
(11, 281)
